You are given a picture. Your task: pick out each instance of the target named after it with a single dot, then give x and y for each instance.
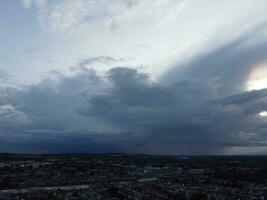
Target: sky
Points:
(179, 77)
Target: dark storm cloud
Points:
(245, 98)
(172, 117)
(50, 141)
(133, 100)
(148, 117)
(199, 109)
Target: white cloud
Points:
(61, 16)
(40, 3)
(65, 14)
(36, 3)
(9, 113)
(157, 34)
(27, 3)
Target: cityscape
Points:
(133, 100)
(132, 177)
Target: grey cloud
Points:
(133, 101)
(230, 64)
(132, 114)
(202, 110)
(107, 60)
(245, 97)
(174, 116)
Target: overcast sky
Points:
(136, 76)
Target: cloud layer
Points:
(202, 109)
(188, 94)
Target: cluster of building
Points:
(131, 177)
